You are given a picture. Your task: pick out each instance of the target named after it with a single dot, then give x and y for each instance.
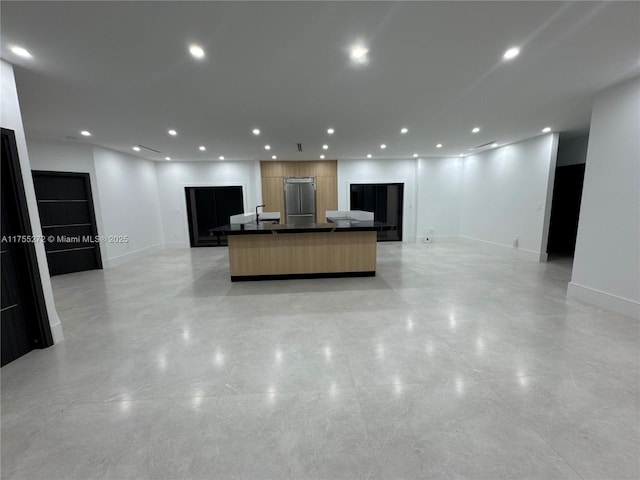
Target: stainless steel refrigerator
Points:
(300, 200)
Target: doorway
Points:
(385, 201)
(68, 220)
(209, 208)
(565, 210)
(24, 318)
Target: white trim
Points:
(176, 245)
(438, 238)
(622, 305)
(56, 332)
(523, 251)
(128, 257)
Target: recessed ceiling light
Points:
(330, 131)
(383, 146)
(368, 155)
(546, 129)
(475, 130)
(321, 157)
(462, 155)
(325, 147)
(256, 131)
(439, 145)
(404, 130)
(494, 145)
(358, 54)
(267, 147)
(273, 157)
(202, 148)
(196, 51)
(85, 133)
(21, 52)
(167, 158)
(136, 148)
(511, 53)
(172, 132)
(221, 157)
(415, 155)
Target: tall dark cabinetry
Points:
(25, 323)
(68, 221)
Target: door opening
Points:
(209, 208)
(385, 201)
(567, 195)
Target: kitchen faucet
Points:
(257, 217)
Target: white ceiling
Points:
(123, 71)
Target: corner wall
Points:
(439, 189)
(130, 204)
(12, 119)
(606, 267)
(506, 193)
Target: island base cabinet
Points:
(302, 255)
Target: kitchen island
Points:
(318, 250)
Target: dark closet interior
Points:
(565, 210)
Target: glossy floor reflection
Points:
(456, 361)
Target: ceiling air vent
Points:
(148, 148)
(488, 144)
(299, 147)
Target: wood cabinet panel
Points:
(328, 168)
(326, 197)
(273, 195)
(300, 253)
(325, 172)
(306, 169)
(291, 169)
(271, 169)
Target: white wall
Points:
(128, 192)
(11, 118)
(173, 177)
(506, 194)
(606, 267)
(382, 171)
(439, 190)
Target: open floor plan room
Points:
(320, 240)
(456, 360)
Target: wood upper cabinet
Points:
(326, 197)
(273, 195)
(327, 168)
(271, 169)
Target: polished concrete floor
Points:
(456, 361)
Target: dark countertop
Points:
(346, 226)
